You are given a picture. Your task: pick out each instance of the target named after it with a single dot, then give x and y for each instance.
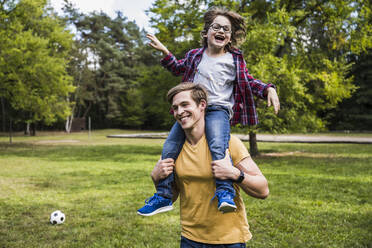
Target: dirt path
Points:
(271, 138)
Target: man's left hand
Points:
(223, 169)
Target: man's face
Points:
(185, 110)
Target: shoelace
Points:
(151, 200)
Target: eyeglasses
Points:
(217, 27)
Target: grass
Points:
(319, 194)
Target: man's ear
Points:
(203, 104)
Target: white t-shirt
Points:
(217, 76)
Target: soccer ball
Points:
(57, 217)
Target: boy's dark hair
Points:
(237, 25)
(198, 92)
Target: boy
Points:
(221, 69)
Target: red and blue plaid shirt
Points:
(244, 87)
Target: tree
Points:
(155, 83)
(34, 45)
(105, 68)
(355, 113)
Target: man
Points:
(202, 224)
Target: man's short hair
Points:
(198, 92)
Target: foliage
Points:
(155, 84)
(34, 46)
(109, 53)
(319, 194)
(300, 46)
(356, 113)
(306, 48)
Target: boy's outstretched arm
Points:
(260, 89)
(155, 43)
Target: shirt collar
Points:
(233, 50)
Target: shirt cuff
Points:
(267, 87)
(166, 59)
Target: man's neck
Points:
(195, 134)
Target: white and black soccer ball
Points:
(57, 217)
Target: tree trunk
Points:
(69, 123)
(10, 131)
(27, 131)
(3, 114)
(253, 148)
(33, 129)
(87, 109)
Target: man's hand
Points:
(162, 169)
(223, 169)
(155, 43)
(273, 99)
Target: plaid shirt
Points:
(244, 87)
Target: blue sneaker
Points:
(226, 202)
(154, 205)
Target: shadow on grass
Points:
(114, 153)
(82, 180)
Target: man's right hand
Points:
(155, 43)
(162, 169)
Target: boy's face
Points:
(186, 111)
(219, 33)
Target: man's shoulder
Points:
(234, 139)
(238, 150)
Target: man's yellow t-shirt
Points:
(200, 219)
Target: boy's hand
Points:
(273, 99)
(155, 43)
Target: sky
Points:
(133, 9)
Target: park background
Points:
(57, 69)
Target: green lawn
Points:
(320, 194)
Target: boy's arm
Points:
(262, 90)
(155, 43)
(177, 67)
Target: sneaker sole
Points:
(157, 211)
(226, 207)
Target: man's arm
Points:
(254, 183)
(162, 169)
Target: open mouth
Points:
(219, 37)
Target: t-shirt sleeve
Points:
(237, 149)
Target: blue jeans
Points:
(187, 243)
(217, 132)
